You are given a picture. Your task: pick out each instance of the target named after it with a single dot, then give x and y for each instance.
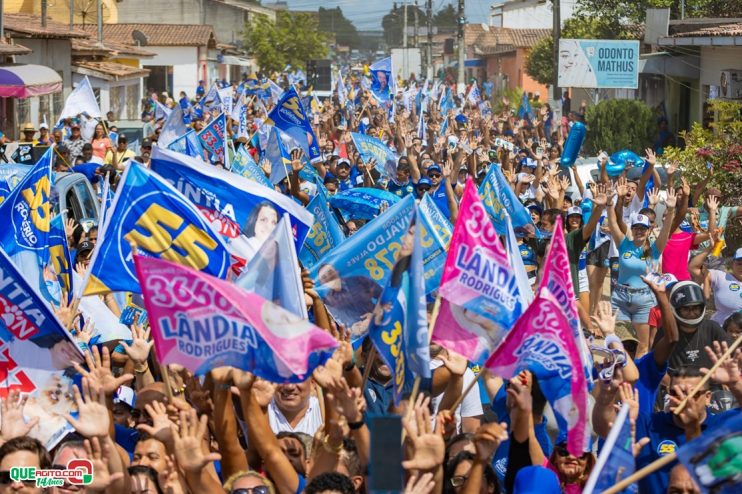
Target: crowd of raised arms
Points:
(658, 300)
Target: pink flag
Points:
(479, 289)
(202, 322)
(542, 342)
(557, 279)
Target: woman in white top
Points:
(724, 286)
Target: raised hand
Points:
(654, 197)
(296, 164)
(13, 425)
(728, 373)
(99, 453)
(520, 393)
(140, 346)
(99, 372)
(488, 438)
(605, 318)
(601, 197)
(622, 187)
(671, 199)
(453, 362)
(161, 428)
(328, 375)
(349, 401)
(692, 414)
(422, 485)
(651, 157)
(629, 395)
(428, 446)
(64, 312)
(92, 413)
(712, 203)
(188, 438)
(69, 227)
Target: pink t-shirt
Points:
(675, 256)
(566, 488)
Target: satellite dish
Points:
(139, 37)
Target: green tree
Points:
(333, 21)
(635, 11)
(293, 39)
(393, 23)
(446, 18)
(619, 124)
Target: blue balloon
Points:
(573, 144)
(620, 160)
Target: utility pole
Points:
(414, 39)
(404, 26)
(2, 22)
(429, 59)
(100, 22)
(72, 14)
(44, 5)
(462, 49)
(557, 34)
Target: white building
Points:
(532, 14)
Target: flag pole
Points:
(651, 468)
(466, 392)
(705, 379)
(367, 370)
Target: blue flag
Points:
(290, 116)
(382, 80)
(232, 203)
(399, 324)
(211, 100)
(26, 212)
(10, 175)
(150, 212)
(59, 255)
(436, 233)
(275, 152)
(212, 138)
(273, 273)
(350, 277)
(447, 103)
(372, 148)
(174, 127)
(363, 202)
(616, 460)
(325, 234)
(499, 199)
(188, 144)
(244, 166)
(524, 110)
(28, 327)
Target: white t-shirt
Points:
(309, 423)
(471, 405)
(727, 292)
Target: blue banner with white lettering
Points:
(498, 198)
(399, 324)
(162, 222)
(351, 276)
(290, 116)
(371, 148)
(244, 166)
(243, 211)
(363, 202)
(26, 212)
(212, 138)
(437, 232)
(325, 234)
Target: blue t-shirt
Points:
(88, 169)
(440, 199)
(378, 397)
(650, 377)
(632, 263)
(401, 190)
(664, 438)
(126, 438)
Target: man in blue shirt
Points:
(403, 185)
(441, 191)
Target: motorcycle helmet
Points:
(686, 294)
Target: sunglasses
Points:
(424, 189)
(434, 175)
(261, 489)
(6, 480)
(562, 451)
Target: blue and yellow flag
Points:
(290, 116)
(59, 255)
(25, 214)
(325, 234)
(276, 153)
(150, 212)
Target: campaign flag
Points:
(273, 273)
(446, 103)
(27, 210)
(421, 128)
(542, 342)
(225, 96)
(616, 460)
(242, 211)
(81, 100)
(289, 116)
(516, 261)
(444, 127)
(474, 96)
(524, 110)
(212, 138)
(371, 148)
(174, 127)
(399, 324)
(162, 222)
(211, 99)
(477, 274)
(239, 115)
(278, 156)
(202, 322)
(382, 79)
(556, 278)
(244, 166)
(188, 144)
(342, 93)
(59, 255)
(500, 199)
(161, 112)
(713, 457)
(363, 202)
(437, 233)
(10, 175)
(275, 90)
(325, 234)
(350, 277)
(107, 326)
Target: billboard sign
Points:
(599, 64)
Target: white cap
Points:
(523, 177)
(738, 254)
(574, 210)
(44, 126)
(530, 163)
(124, 395)
(640, 219)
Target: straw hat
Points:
(28, 127)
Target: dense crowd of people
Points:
(659, 302)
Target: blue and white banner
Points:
(188, 144)
(212, 138)
(382, 79)
(162, 222)
(174, 127)
(325, 234)
(276, 153)
(616, 460)
(290, 116)
(500, 199)
(372, 148)
(244, 166)
(10, 176)
(599, 64)
(363, 202)
(436, 234)
(242, 211)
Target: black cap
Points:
(147, 143)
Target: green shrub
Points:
(618, 124)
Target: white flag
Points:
(81, 100)
(173, 128)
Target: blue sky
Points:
(368, 14)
